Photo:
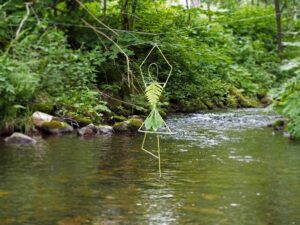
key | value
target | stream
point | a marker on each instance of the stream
(221, 167)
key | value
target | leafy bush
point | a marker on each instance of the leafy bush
(49, 66)
(288, 104)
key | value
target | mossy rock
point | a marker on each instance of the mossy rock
(83, 121)
(56, 127)
(131, 125)
(134, 124)
(54, 124)
(279, 124)
(118, 118)
(242, 100)
(121, 127)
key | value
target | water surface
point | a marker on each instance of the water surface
(220, 168)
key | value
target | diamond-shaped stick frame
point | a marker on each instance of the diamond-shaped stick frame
(155, 46)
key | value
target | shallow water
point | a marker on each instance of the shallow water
(220, 168)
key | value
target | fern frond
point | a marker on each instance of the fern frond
(153, 93)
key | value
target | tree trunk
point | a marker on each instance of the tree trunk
(54, 8)
(124, 14)
(104, 8)
(208, 10)
(133, 10)
(279, 28)
(294, 14)
(189, 14)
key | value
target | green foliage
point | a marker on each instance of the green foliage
(82, 103)
(257, 23)
(49, 66)
(153, 93)
(154, 121)
(288, 104)
(227, 61)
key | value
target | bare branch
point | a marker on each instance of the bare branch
(27, 4)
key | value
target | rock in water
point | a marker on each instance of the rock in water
(38, 118)
(86, 132)
(91, 130)
(56, 127)
(50, 124)
(104, 130)
(131, 125)
(20, 139)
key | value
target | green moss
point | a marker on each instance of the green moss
(43, 102)
(118, 118)
(242, 100)
(134, 124)
(279, 125)
(83, 121)
(45, 107)
(54, 124)
(231, 102)
(209, 104)
(192, 105)
(121, 126)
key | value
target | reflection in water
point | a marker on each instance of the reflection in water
(221, 168)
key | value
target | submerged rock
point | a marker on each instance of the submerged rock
(20, 139)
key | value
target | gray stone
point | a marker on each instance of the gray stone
(86, 132)
(38, 118)
(104, 129)
(20, 139)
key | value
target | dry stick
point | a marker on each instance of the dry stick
(129, 73)
(99, 21)
(27, 4)
(35, 14)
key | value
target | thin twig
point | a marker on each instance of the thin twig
(129, 72)
(99, 21)
(27, 4)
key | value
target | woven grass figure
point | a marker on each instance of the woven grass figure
(153, 92)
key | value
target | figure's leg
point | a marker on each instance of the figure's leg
(144, 140)
(158, 153)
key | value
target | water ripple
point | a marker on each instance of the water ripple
(211, 128)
